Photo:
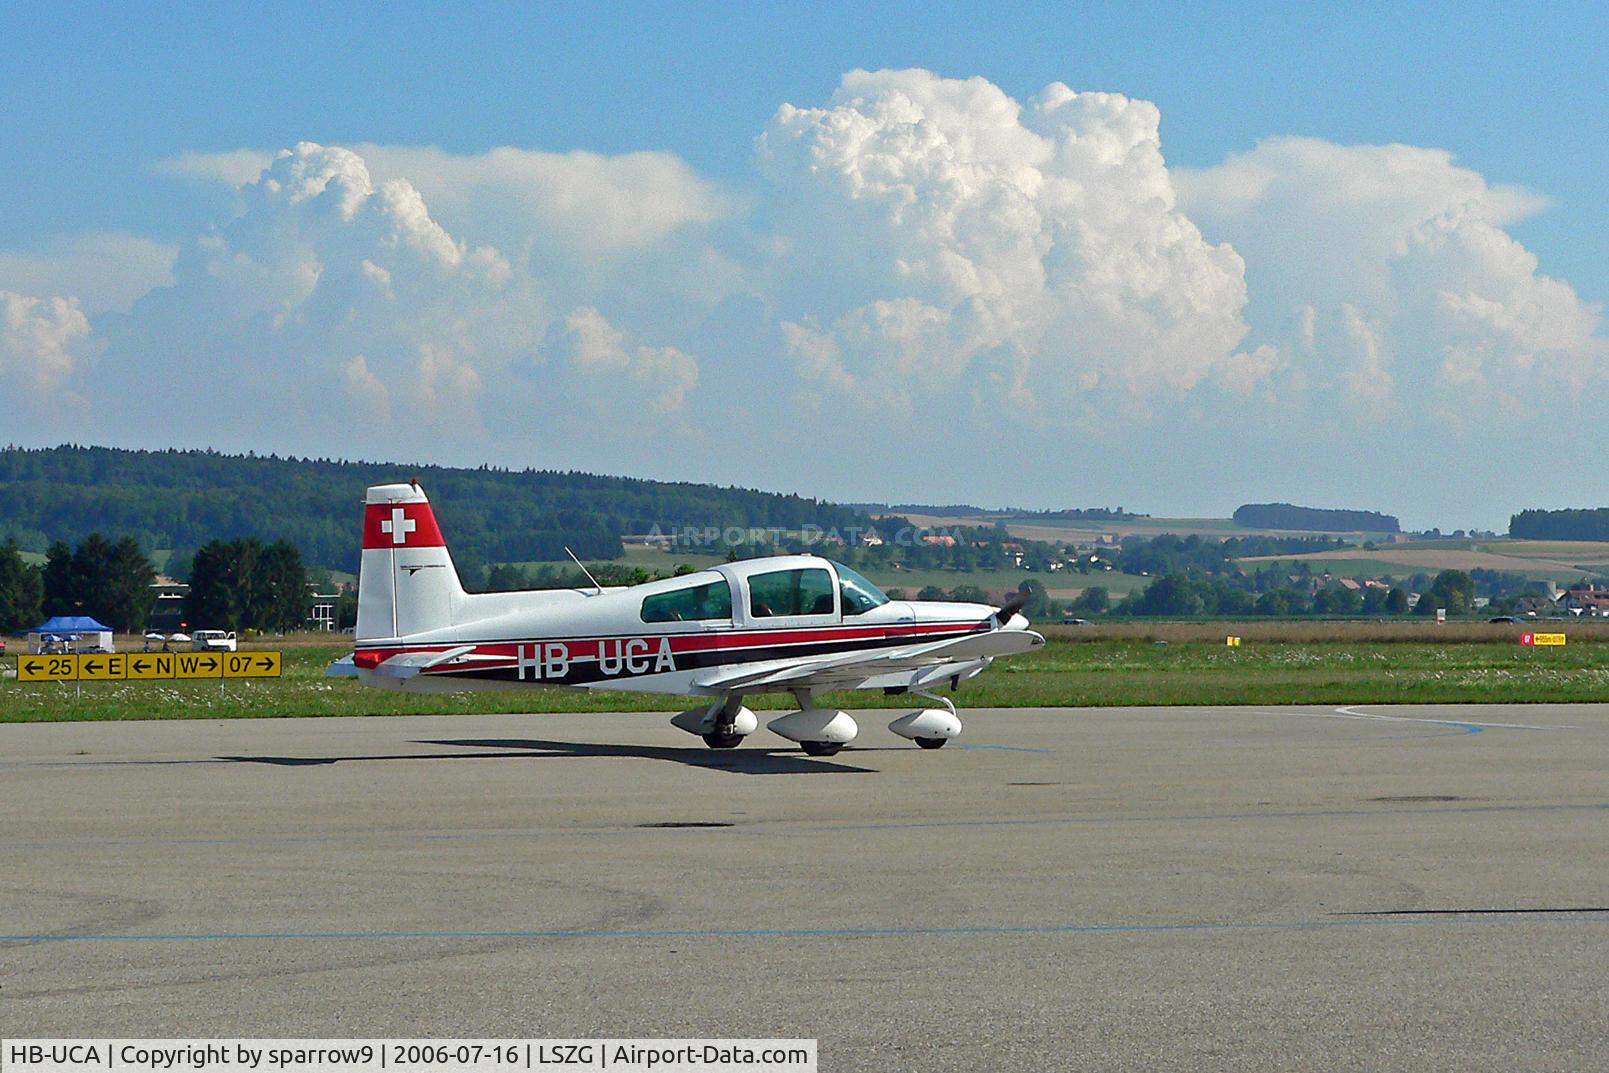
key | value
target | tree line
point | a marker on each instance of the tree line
(235, 584)
(1187, 596)
(1289, 516)
(1560, 524)
(182, 499)
(104, 579)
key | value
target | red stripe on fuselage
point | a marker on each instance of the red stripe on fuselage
(589, 647)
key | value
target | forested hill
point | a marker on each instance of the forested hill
(1313, 519)
(182, 499)
(1588, 524)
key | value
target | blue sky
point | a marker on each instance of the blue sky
(101, 103)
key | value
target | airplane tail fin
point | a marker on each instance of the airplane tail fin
(407, 583)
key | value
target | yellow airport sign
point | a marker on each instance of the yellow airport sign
(146, 665)
(102, 667)
(1548, 639)
(197, 665)
(251, 664)
(1232, 641)
(47, 668)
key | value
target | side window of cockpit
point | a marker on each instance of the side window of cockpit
(857, 594)
(791, 592)
(697, 603)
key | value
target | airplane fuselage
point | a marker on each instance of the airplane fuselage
(664, 657)
(799, 624)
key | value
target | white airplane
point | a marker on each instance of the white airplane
(798, 624)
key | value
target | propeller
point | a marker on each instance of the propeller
(1012, 606)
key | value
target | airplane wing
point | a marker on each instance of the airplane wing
(855, 668)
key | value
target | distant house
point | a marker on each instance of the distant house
(167, 614)
(1583, 599)
(1534, 605)
(321, 609)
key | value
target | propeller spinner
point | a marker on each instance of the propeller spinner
(1011, 607)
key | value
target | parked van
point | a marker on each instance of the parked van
(212, 641)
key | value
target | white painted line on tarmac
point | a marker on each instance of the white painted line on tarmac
(1351, 712)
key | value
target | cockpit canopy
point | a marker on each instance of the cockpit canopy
(859, 595)
(800, 586)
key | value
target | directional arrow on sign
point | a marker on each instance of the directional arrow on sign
(265, 663)
(92, 666)
(210, 663)
(139, 665)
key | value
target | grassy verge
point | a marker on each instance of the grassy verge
(1279, 663)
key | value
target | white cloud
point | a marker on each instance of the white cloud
(39, 339)
(106, 271)
(603, 203)
(322, 263)
(443, 382)
(930, 287)
(658, 378)
(1385, 270)
(236, 167)
(366, 390)
(949, 238)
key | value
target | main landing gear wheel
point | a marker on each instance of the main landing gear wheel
(820, 748)
(723, 741)
(931, 743)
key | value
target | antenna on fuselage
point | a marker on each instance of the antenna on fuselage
(584, 570)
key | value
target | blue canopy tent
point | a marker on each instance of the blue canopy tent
(78, 633)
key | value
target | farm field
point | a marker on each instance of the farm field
(1543, 560)
(1278, 663)
(1039, 528)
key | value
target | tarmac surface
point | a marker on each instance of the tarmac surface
(1193, 889)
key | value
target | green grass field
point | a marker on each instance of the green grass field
(1337, 663)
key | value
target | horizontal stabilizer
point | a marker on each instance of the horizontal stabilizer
(409, 664)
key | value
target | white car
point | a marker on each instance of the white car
(212, 641)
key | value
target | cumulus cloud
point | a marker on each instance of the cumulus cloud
(39, 338)
(366, 390)
(658, 377)
(1386, 272)
(106, 271)
(919, 262)
(328, 285)
(605, 203)
(1032, 253)
(236, 167)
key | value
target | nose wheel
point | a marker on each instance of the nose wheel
(931, 743)
(718, 740)
(820, 748)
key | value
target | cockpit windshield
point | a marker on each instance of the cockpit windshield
(858, 594)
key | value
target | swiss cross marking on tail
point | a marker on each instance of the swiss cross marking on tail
(396, 526)
(399, 525)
